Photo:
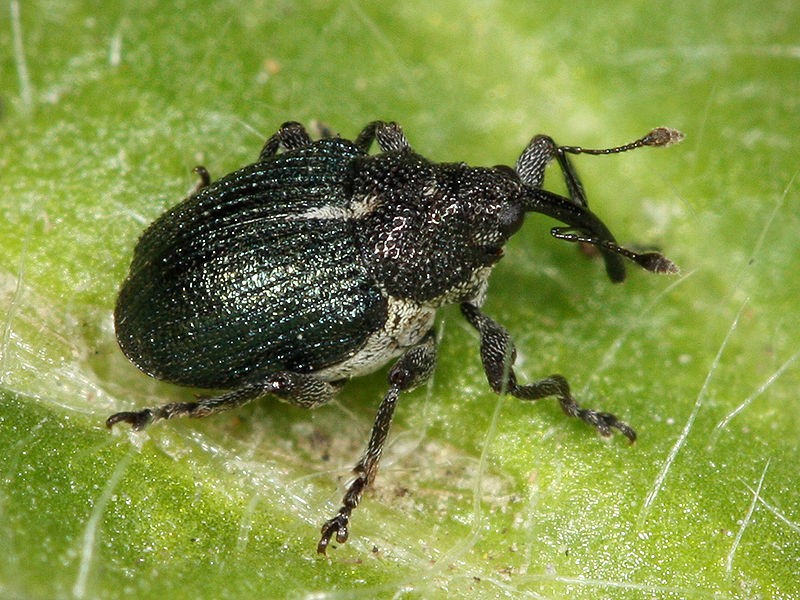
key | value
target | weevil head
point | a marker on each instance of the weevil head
(492, 202)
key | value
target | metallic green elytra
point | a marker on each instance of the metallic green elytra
(238, 282)
(321, 262)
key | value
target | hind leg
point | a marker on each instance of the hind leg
(306, 391)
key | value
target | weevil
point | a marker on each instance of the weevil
(321, 262)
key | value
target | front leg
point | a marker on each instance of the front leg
(498, 355)
(410, 370)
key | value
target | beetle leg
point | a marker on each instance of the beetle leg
(290, 136)
(301, 390)
(411, 369)
(534, 159)
(573, 209)
(205, 179)
(390, 137)
(498, 354)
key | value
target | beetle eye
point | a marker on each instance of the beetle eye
(510, 218)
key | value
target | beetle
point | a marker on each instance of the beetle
(321, 262)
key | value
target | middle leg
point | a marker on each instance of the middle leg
(411, 369)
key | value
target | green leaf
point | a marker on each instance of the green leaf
(105, 108)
